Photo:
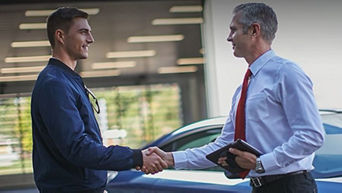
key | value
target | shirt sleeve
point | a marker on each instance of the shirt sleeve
(195, 158)
(64, 124)
(296, 96)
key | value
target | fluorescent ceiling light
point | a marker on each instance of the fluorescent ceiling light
(107, 65)
(177, 21)
(25, 26)
(187, 61)
(182, 9)
(21, 69)
(30, 44)
(177, 69)
(35, 13)
(91, 11)
(160, 38)
(100, 73)
(131, 54)
(30, 13)
(18, 78)
(27, 59)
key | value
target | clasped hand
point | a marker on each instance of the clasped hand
(244, 159)
(155, 160)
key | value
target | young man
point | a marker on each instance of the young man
(274, 110)
(68, 154)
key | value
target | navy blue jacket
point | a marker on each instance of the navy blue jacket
(68, 154)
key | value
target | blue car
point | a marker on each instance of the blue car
(327, 162)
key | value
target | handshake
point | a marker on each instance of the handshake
(155, 160)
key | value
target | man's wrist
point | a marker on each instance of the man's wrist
(169, 159)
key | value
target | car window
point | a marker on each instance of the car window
(328, 158)
(196, 139)
(197, 142)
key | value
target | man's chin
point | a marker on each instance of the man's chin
(237, 55)
(83, 57)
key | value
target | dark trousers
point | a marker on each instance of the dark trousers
(301, 183)
(65, 191)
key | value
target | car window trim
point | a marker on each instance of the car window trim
(193, 131)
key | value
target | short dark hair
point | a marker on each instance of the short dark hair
(258, 13)
(62, 19)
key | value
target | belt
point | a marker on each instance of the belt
(257, 182)
(84, 191)
(96, 191)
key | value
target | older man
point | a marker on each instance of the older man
(274, 110)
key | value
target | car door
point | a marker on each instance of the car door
(208, 180)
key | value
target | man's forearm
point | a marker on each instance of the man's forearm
(169, 159)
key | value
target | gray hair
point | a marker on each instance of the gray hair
(258, 13)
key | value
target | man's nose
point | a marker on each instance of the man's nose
(90, 38)
(229, 38)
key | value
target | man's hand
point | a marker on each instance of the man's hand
(243, 158)
(222, 161)
(152, 163)
(166, 156)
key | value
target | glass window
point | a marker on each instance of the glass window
(195, 140)
(15, 135)
(202, 140)
(136, 115)
(130, 116)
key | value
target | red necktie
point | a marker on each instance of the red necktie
(241, 115)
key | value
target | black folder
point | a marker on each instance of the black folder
(232, 167)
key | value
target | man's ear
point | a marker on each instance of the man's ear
(59, 35)
(254, 30)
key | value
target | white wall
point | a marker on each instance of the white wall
(309, 33)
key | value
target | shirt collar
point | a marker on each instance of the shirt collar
(56, 62)
(261, 61)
